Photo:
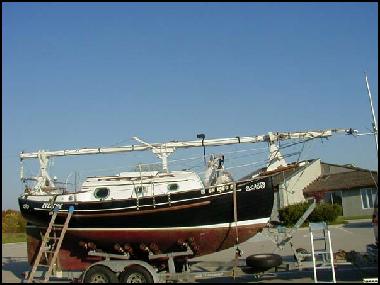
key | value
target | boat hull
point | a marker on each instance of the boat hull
(204, 219)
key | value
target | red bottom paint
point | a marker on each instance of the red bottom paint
(203, 241)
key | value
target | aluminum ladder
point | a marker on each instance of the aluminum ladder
(301, 220)
(283, 236)
(57, 242)
(320, 232)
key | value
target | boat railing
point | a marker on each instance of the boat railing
(153, 196)
(47, 190)
(151, 192)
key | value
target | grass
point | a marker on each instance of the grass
(358, 217)
(344, 220)
(340, 220)
(13, 237)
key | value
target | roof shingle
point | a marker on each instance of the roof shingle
(343, 181)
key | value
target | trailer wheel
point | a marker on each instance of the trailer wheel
(135, 274)
(100, 274)
(264, 261)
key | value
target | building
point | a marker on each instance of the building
(353, 188)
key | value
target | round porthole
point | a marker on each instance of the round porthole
(101, 193)
(173, 187)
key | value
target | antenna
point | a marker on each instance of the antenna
(203, 136)
(374, 124)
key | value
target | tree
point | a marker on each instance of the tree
(12, 221)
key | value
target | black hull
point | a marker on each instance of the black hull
(188, 209)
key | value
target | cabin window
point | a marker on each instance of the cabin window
(173, 187)
(140, 189)
(101, 193)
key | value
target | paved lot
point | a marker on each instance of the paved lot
(354, 236)
(14, 262)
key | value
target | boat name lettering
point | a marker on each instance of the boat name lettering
(256, 186)
(49, 206)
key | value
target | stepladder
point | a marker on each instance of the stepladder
(50, 245)
(321, 251)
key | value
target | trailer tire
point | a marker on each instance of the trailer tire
(135, 274)
(100, 274)
(264, 261)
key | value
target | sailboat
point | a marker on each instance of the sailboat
(139, 212)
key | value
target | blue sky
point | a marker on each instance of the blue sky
(89, 75)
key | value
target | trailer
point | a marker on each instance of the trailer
(120, 268)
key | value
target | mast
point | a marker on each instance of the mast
(374, 124)
(171, 146)
(163, 150)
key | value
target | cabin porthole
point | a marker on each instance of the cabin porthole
(101, 193)
(173, 187)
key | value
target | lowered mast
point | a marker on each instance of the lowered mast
(163, 150)
(270, 137)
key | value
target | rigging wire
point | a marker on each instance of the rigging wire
(119, 142)
(174, 161)
(299, 156)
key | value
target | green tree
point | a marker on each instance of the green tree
(322, 212)
(12, 222)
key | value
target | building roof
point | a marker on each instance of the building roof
(348, 167)
(333, 177)
(343, 181)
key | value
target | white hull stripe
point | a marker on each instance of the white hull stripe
(222, 225)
